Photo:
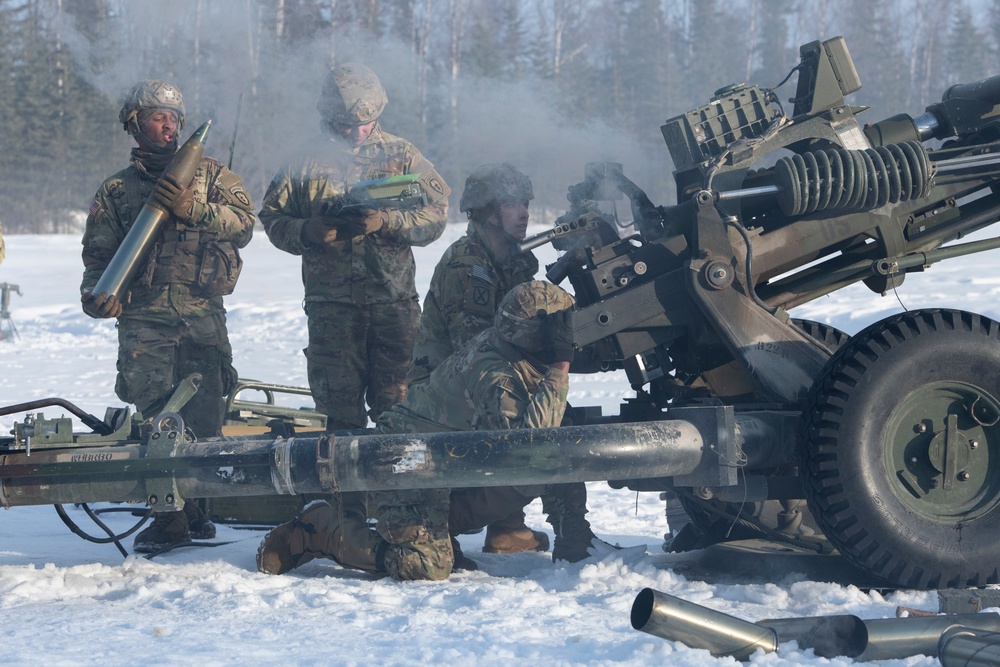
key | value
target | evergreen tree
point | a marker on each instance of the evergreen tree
(965, 48)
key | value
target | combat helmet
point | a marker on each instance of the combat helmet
(493, 184)
(352, 95)
(519, 317)
(146, 96)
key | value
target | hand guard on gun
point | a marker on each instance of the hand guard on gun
(557, 337)
(321, 230)
(362, 222)
(101, 306)
(177, 199)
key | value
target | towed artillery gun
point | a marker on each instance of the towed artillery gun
(892, 435)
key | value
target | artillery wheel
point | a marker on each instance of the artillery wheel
(901, 459)
(717, 521)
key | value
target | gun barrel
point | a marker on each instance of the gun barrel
(984, 90)
(241, 466)
(140, 237)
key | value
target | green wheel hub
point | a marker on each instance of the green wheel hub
(940, 451)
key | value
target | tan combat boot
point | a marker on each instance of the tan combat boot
(502, 538)
(337, 531)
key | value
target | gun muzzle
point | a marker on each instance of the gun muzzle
(134, 248)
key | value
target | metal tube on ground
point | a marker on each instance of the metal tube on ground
(965, 647)
(829, 636)
(893, 638)
(674, 619)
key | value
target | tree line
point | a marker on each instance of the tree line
(544, 84)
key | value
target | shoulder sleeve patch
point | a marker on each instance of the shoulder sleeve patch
(480, 296)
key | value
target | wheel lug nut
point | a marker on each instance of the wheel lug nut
(963, 476)
(973, 444)
(921, 428)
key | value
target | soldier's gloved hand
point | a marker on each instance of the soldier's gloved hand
(320, 230)
(557, 337)
(102, 306)
(362, 222)
(177, 199)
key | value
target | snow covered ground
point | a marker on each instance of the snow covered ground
(69, 602)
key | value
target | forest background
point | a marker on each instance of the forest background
(545, 84)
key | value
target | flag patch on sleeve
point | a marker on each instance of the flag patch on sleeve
(95, 206)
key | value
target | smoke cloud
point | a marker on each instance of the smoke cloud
(218, 51)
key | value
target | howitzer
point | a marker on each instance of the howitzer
(892, 436)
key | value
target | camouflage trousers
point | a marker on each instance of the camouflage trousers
(358, 354)
(154, 357)
(417, 525)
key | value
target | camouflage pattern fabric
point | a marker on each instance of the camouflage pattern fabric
(146, 96)
(153, 357)
(168, 328)
(487, 384)
(366, 271)
(468, 283)
(153, 295)
(359, 353)
(492, 184)
(352, 95)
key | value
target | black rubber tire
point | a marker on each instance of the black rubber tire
(832, 337)
(876, 450)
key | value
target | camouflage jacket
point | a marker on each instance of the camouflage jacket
(166, 287)
(486, 385)
(369, 269)
(467, 285)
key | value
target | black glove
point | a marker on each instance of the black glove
(102, 306)
(362, 221)
(557, 337)
(320, 230)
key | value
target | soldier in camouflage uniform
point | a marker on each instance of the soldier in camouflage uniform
(172, 321)
(469, 281)
(358, 268)
(514, 375)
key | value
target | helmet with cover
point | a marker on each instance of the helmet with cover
(519, 318)
(144, 98)
(352, 95)
(493, 184)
